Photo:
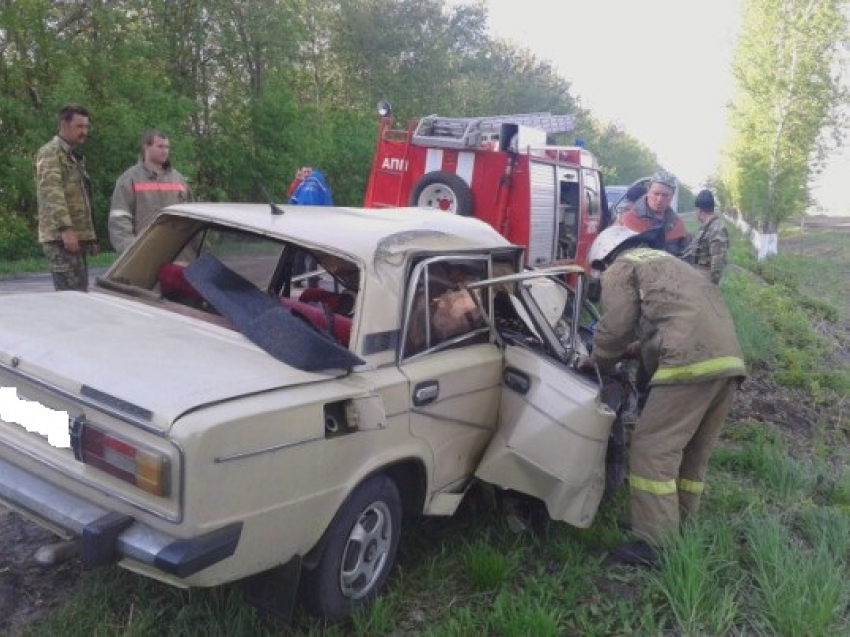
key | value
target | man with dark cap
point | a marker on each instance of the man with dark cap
(708, 249)
(649, 295)
(653, 211)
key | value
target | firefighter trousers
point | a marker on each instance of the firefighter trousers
(670, 447)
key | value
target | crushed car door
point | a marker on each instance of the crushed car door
(454, 371)
(552, 428)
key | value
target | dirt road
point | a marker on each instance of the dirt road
(41, 282)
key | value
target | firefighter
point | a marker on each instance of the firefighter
(143, 190)
(653, 211)
(709, 246)
(652, 297)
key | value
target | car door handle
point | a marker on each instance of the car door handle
(426, 392)
(517, 380)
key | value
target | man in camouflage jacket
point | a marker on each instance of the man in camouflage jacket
(708, 249)
(655, 298)
(63, 189)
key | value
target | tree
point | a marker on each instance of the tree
(248, 90)
(788, 99)
(624, 159)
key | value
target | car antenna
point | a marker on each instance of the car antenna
(276, 210)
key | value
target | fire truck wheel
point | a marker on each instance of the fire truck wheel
(443, 191)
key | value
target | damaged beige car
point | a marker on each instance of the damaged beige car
(230, 417)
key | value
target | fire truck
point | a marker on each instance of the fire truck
(499, 169)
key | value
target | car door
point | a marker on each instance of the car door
(553, 428)
(454, 372)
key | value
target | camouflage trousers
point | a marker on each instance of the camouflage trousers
(70, 271)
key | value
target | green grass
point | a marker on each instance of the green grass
(787, 310)
(701, 581)
(749, 566)
(801, 589)
(35, 265)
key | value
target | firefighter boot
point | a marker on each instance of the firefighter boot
(638, 553)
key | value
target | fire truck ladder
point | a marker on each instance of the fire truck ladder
(470, 132)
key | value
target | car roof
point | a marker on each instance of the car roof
(363, 233)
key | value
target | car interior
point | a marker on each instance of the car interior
(326, 303)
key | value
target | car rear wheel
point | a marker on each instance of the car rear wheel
(359, 550)
(443, 191)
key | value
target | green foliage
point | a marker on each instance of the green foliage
(245, 100)
(840, 492)
(701, 580)
(788, 100)
(720, 577)
(802, 588)
(828, 527)
(486, 567)
(757, 343)
(778, 305)
(18, 238)
(624, 159)
(378, 618)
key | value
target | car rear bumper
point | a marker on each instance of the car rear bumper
(106, 536)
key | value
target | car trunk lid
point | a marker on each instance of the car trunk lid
(145, 361)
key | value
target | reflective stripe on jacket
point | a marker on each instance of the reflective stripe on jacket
(139, 195)
(651, 296)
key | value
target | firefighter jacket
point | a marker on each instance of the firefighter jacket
(640, 219)
(708, 248)
(139, 195)
(63, 190)
(651, 296)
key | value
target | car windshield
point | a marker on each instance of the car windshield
(614, 194)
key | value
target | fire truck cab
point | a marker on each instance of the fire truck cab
(547, 198)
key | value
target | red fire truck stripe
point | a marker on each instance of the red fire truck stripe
(158, 186)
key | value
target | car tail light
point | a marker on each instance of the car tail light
(145, 469)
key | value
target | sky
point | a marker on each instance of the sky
(659, 68)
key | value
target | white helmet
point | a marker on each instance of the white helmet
(608, 241)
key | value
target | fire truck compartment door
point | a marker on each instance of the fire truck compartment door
(543, 208)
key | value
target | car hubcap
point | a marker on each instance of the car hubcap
(440, 197)
(366, 551)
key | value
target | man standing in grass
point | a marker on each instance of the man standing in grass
(708, 249)
(145, 189)
(63, 189)
(659, 300)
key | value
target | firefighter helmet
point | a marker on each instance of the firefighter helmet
(664, 177)
(607, 241)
